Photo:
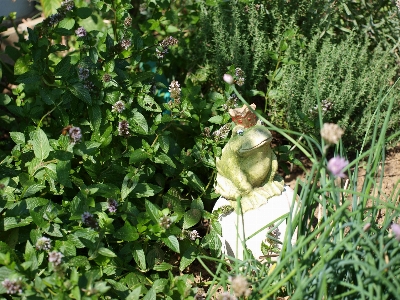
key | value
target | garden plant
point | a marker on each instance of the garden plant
(113, 113)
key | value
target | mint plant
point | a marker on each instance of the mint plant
(107, 180)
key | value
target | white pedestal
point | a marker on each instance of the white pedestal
(254, 220)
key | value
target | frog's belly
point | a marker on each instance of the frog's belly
(257, 167)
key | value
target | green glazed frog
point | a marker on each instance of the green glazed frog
(247, 168)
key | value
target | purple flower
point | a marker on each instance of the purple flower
(123, 128)
(89, 220)
(336, 166)
(83, 73)
(396, 230)
(81, 32)
(55, 257)
(125, 44)
(75, 134)
(12, 286)
(68, 5)
(112, 205)
(43, 243)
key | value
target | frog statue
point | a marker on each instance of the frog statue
(247, 169)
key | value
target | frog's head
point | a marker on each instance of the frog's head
(245, 140)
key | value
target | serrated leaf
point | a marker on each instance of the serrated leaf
(162, 267)
(160, 284)
(82, 93)
(193, 181)
(13, 222)
(139, 123)
(41, 145)
(106, 252)
(66, 23)
(187, 258)
(197, 203)
(153, 211)
(164, 159)
(32, 203)
(84, 12)
(140, 77)
(191, 218)
(146, 190)
(95, 117)
(22, 65)
(149, 104)
(30, 77)
(78, 261)
(4, 99)
(18, 138)
(128, 185)
(63, 67)
(32, 190)
(50, 6)
(172, 243)
(63, 167)
(139, 256)
(151, 295)
(88, 148)
(138, 155)
(127, 233)
(216, 119)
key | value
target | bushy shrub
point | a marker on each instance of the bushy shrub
(347, 78)
(107, 169)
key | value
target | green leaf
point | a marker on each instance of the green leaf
(79, 261)
(32, 190)
(32, 203)
(63, 68)
(193, 181)
(82, 93)
(151, 295)
(22, 65)
(18, 138)
(138, 155)
(139, 256)
(88, 148)
(128, 185)
(106, 252)
(66, 23)
(50, 6)
(13, 222)
(164, 159)
(139, 123)
(84, 12)
(41, 145)
(216, 119)
(188, 257)
(153, 211)
(63, 168)
(162, 267)
(191, 218)
(149, 104)
(160, 284)
(95, 117)
(4, 99)
(172, 243)
(127, 233)
(141, 77)
(146, 190)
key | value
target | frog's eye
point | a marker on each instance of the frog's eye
(240, 131)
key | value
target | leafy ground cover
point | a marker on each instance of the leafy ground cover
(114, 111)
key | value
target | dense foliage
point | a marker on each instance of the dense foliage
(114, 111)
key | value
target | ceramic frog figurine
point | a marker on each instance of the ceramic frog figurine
(247, 168)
